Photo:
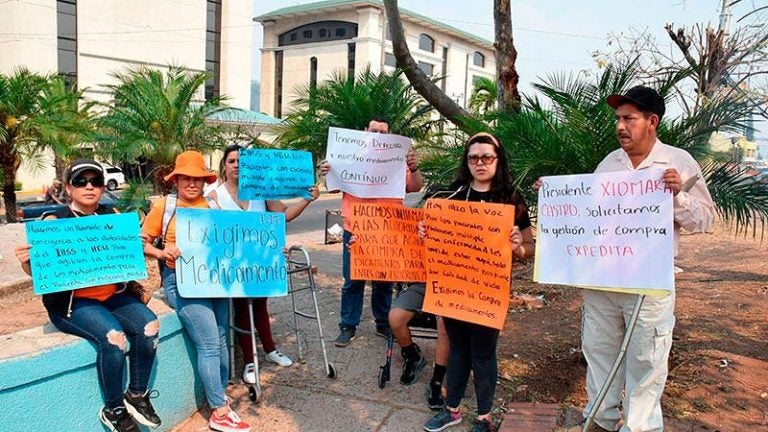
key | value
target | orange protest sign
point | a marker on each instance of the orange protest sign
(469, 260)
(388, 247)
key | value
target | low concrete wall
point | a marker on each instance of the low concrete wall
(48, 379)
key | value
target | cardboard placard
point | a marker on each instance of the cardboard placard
(388, 247)
(367, 164)
(230, 253)
(469, 260)
(83, 252)
(269, 174)
(610, 231)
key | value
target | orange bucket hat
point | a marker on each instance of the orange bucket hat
(191, 163)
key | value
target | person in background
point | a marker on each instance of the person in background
(106, 316)
(483, 176)
(206, 320)
(352, 292)
(226, 196)
(54, 193)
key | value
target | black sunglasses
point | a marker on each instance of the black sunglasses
(80, 182)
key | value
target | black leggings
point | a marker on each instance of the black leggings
(473, 347)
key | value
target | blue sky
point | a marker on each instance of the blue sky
(552, 35)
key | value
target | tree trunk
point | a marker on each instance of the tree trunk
(418, 79)
(506, 55)
(7, 159)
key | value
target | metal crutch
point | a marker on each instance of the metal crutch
(616, 364)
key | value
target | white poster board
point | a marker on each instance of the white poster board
(610, 231)
(366, 164)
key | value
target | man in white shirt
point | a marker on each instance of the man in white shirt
(644, 373)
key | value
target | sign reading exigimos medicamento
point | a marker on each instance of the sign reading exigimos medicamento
(83, 252)
(269, 174)
(367, 164)
(387, 245)
(230, 253)
(612, 231)
(469, 260)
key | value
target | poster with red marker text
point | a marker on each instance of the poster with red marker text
(611, 231)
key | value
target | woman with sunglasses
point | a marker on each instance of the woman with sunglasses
(483, 176)
(106, 316)
(206, 320)
(226, 196)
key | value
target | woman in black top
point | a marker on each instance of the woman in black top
(482, 176)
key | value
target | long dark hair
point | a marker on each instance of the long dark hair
(227, 150)
(502, 190)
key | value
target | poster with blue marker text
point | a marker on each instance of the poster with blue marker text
(270, 174)
(83, 252)
(230, 253)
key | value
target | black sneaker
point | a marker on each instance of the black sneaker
(383, 331)
(118, 420)
(481, 426)
(346, 336)
(141, 408)
(435, 399)
(412, 368)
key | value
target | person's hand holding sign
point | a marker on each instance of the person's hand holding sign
(672, 180)
(412, 160)
(170, 253)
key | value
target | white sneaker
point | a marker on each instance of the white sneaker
(249, 374)
(277, 357)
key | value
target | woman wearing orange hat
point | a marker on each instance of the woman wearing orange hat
(205, 319)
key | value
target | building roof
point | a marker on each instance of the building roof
(241, 116)
(313, 8)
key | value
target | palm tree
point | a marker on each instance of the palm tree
(350, 104)
(35, 112)
(484, 95)
(154, 116)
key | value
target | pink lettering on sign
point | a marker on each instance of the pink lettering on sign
(599, 250)
(640, 187)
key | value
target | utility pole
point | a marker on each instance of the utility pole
(725, 17)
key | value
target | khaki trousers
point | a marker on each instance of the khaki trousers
(644, 371)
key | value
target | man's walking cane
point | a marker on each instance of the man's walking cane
(616, 364)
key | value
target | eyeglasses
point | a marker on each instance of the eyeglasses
(81, 182)
(486, 158)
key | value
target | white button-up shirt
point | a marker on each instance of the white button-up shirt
(693, 209)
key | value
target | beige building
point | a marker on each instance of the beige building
(88, 40)
(307, 43)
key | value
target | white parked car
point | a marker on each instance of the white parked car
(113, 177)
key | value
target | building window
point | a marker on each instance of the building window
(427, 68)
(66, 23)
(426, 43)
(317, 32)
(278, 84)
(351, 61)
(479, 59)
(389, 60)
(313, 72)
(213, 49)
(444, 70)
(389, 32)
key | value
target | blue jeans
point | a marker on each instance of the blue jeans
(207, 323)
(101, 323)
(352, 295)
